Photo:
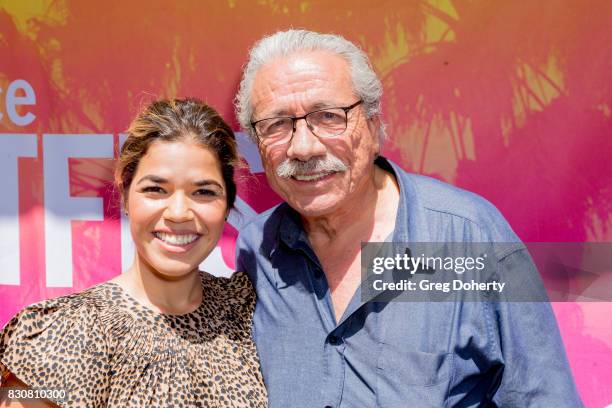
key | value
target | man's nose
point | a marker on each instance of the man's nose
(304, 144)
(178, 208)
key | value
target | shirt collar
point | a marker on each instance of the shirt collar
(401, 229)
(290, 233)
(290, 227)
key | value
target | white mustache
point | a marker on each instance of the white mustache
(327, 164)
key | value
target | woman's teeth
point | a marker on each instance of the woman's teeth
(173, 239)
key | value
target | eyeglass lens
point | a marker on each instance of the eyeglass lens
(323, 123)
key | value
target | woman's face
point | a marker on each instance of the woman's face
(176, 206)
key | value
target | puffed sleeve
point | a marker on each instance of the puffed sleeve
(236, 306)
(238, 297)
(59, 344)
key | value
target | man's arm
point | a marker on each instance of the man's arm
(245, 259)
(536, 371)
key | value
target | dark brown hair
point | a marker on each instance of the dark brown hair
(170, 120)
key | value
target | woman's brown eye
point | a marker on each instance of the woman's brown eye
(152, 189)
(207, 192)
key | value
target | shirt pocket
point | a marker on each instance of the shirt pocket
(412, 378)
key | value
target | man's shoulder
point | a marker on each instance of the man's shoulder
(257, 240)
(440, 199)
(439, 196)
(267, 221)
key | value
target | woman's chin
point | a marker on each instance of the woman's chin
(171, 269)
(171, 266)
(175, 274)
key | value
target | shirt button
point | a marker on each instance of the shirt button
(334, 340)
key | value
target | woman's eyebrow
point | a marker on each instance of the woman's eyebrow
(153, 178)
(207, 182)
(161, 180)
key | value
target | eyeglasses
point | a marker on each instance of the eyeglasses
(323, 123)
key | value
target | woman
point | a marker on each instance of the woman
(162, 333)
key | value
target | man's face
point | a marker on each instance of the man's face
(294, 86)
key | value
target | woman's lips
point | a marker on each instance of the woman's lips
(177, 243)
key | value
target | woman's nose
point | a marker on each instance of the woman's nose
(178, 208)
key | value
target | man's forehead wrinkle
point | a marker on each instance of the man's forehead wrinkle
(300, 82)
(286, 99)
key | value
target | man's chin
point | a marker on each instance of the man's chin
(316, 207)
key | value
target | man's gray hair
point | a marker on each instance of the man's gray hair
(366, 84)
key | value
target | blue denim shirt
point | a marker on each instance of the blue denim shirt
(399, 354)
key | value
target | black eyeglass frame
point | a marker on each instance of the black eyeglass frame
(294, 120)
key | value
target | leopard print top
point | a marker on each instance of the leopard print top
(106, 349)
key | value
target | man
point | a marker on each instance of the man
(312, 103)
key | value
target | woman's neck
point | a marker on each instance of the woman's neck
(159, 292)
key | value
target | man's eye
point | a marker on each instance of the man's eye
(278, 124)
(330, 116)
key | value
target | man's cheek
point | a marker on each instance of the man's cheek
(275, 182)
(341, 148)
(272, 156)
(268, 166)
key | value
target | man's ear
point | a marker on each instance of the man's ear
(374, 128)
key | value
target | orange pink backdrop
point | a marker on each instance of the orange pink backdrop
(509, 99)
